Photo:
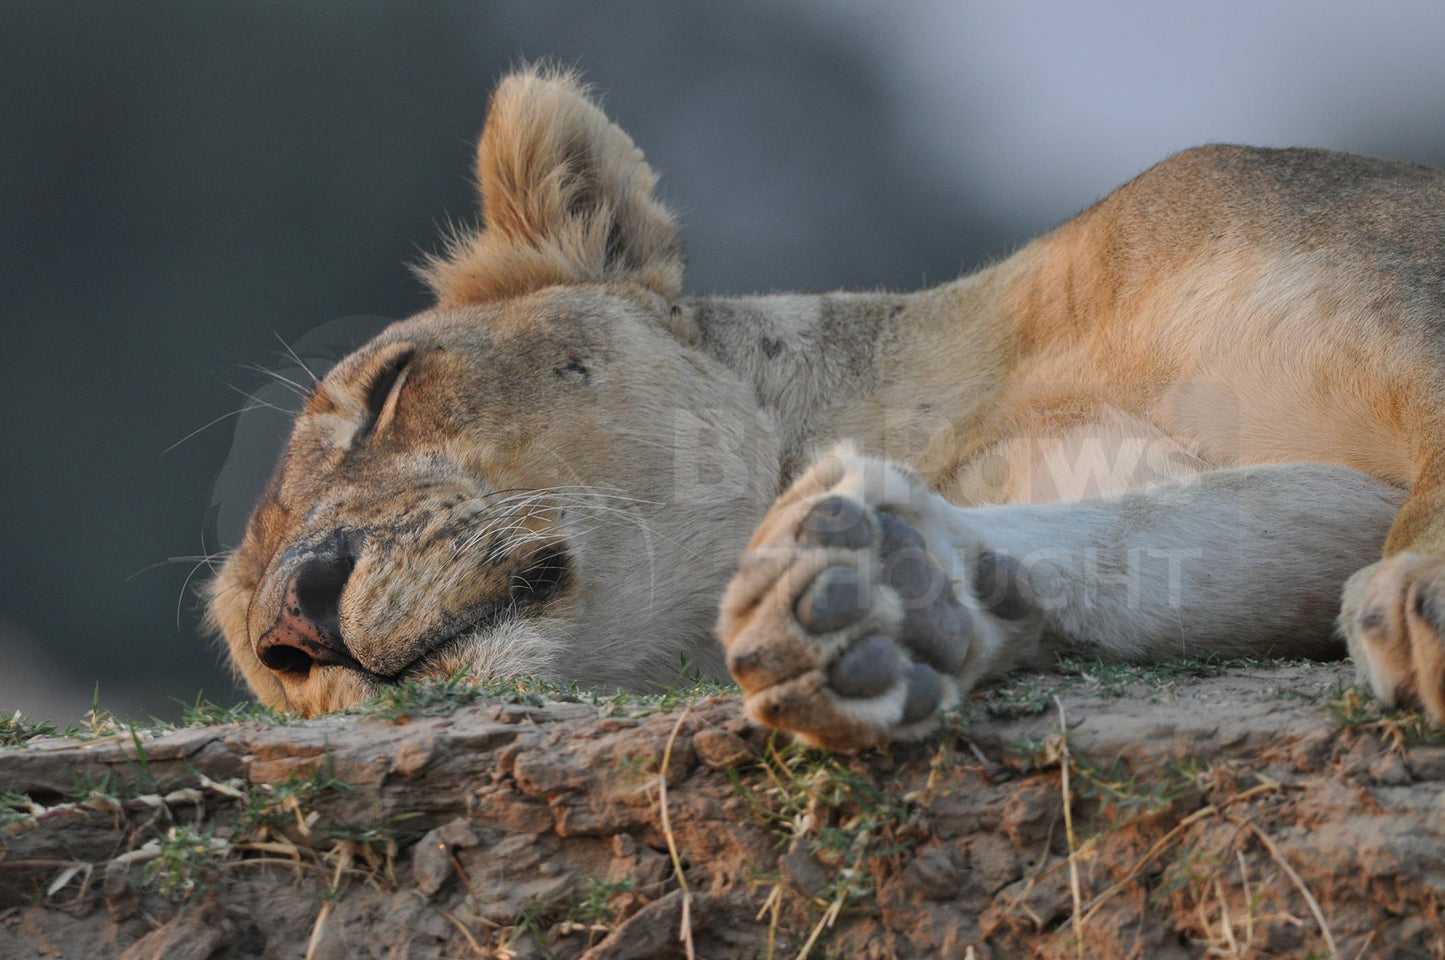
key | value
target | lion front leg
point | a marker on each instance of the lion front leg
(1393, 615)
(856, 613)
(865, 603)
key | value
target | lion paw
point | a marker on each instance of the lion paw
(1393, 617)
(848, 621)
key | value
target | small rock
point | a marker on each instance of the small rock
(1043, 899)
(1427, 763)
(1313, 751)
(1389, 769)
(720, 749)
(801, 869)
(994, 862)
(934, 874)
(651, 933)
(457, 832)
(119, 894)
(1359, 758)
(1030, 812)
(431, 865)
(431, 862)
(191, 935)
(649, 867)
(411, 756)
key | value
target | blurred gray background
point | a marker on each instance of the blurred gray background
(182, 183)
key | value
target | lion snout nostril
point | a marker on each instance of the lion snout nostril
(284, 657)
(307, 634)
(316, 591)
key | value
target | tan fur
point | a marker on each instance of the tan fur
(1230, 307)
(556, 178)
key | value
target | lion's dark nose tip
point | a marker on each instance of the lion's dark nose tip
(308, 632)
(316, 588)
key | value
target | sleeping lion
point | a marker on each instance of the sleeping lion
(1204, 417)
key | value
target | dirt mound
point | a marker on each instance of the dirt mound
(1196, 810)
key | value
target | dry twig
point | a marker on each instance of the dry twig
(1310, 900)
(343, 861)
(685, 934)
(1078, 919)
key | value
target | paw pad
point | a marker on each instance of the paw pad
(836, 522)
(837, 598)
(869, 668)
(925, 690)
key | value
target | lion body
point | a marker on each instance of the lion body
(1230, 309)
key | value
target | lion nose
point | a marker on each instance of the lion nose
(308, 632)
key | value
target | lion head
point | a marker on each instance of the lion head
(541, 475)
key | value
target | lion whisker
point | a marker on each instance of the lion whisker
(253, 403)
(286, 381)
(297, 357)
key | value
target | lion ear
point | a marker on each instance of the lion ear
(566, 198)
